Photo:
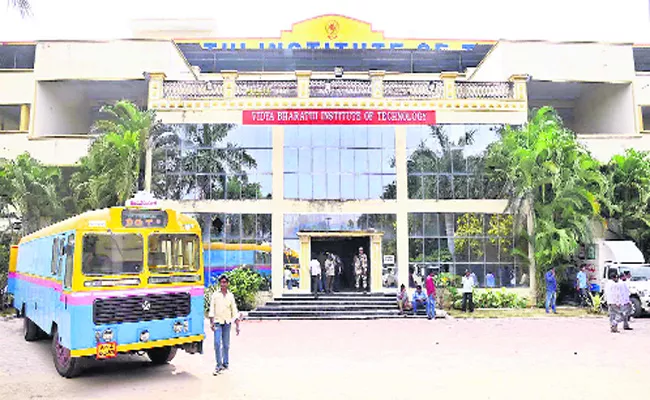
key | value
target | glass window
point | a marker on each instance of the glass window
(169, 253)
(112, 254)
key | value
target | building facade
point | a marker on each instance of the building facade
(330, 137)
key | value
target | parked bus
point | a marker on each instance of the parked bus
(118, 280)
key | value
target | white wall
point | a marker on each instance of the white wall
(54, 151)
(547, 61)
(603, 147)
(605, 108)
(58, 113)
(112, 60)
(16, 87)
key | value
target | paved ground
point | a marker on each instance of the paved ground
(554, 358)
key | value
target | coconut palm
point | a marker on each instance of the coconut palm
(545, 167)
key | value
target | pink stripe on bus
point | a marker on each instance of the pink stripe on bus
(56, 285)
(87, 298)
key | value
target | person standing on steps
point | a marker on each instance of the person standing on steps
(361, 269)
(468, 288)
(431, 296)
(338, 272)
(330, 272)
(551, 290)
(314, 267)
(223, 310)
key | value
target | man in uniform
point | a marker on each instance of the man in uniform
(361, 269)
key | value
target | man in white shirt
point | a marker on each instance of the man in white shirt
(223, 310)
(614, 297)
(626, 309)
(314, 266)
(468, 287)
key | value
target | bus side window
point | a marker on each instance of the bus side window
(54, 267)
(69, 262)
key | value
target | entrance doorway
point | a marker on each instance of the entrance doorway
(346, 248)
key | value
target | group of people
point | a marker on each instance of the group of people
(421, 300)
(617, 295)
(332, 269)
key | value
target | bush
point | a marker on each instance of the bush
(244, 285)
(447, 290)
(491, 298)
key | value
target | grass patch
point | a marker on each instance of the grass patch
(524, 313)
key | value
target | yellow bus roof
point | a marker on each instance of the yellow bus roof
(81, 221)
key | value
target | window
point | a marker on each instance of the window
(645, 118)
(481, 243)
(10, 117)
(112, 254)
(446, 162)
(339, 162)
(17, 56)
(173, 253)
(69, 262)
(213, 162)
(54, 269)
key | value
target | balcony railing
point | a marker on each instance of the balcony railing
(267, 89)
(303, 87)
(340, 88)
(484, 90)
(413, 89)
(192, 90)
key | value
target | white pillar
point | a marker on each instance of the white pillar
(277, 215)
(402, 233)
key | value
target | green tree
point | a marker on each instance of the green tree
(628, 197)
(544, 166)
(468, 226)
(124, 116)
(33, 190)
(107, 175)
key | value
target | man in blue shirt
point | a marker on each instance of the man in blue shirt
(551, 288)
(489, 280)
(419, 299)
(581, 279)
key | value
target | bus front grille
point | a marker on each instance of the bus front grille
(141, 308)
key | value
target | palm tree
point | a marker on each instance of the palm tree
(108, 174)
(33, 190)
(548, 172)
(124, 116)
(23, 6)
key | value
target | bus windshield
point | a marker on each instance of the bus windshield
(169, 253)
(112, 254)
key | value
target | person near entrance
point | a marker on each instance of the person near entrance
(419, 299)
(403, 299)
(329, 273)
(223, 310)
(361, 269)
(431, 296)
(314, 267)
(338, 271)
(468, 288)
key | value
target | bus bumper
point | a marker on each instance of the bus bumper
(191, 344)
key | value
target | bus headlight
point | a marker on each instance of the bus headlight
(186, 326)
(178, 327)
(107, 336)
(144, 336)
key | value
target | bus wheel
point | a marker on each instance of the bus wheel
(161, 355)
(30, 330)
(66, 365)
(637, 311)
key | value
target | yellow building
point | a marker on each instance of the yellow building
(331, 136)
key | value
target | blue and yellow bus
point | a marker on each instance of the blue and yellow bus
(118, 280)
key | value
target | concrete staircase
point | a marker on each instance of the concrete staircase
(344, 305)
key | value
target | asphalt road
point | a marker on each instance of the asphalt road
(547, 358)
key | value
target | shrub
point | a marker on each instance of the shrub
(498, 299)
(447, 289)
(596, 304)
(244, 285)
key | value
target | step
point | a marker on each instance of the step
(337, 307)
(318, 303)
(337, 298)
(339, 294)
(340, 316)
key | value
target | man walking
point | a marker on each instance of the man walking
(223, 310)
(468, 288)
(431, 296)
(613, 296)
(551, 289)
(361, 269)
(626, 307)
(581, 279)
(314, 267)
(329, 273)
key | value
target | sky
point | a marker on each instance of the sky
(597, 20)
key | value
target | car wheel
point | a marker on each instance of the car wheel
(637, 311)
(66, 365)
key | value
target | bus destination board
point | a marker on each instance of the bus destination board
(144, 219)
